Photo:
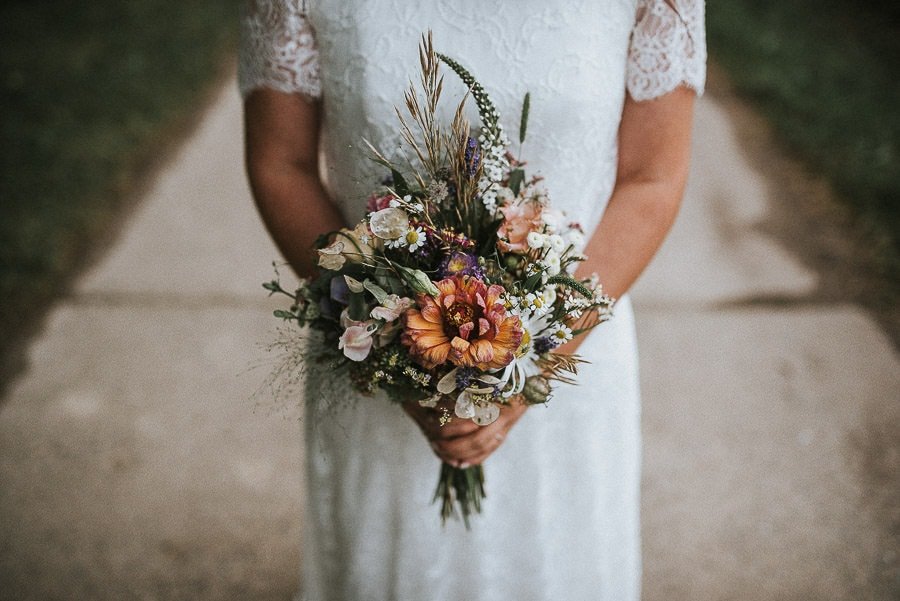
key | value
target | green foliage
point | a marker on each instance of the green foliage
(824, 72)
(523, 125)
(486, 110)
(572, 283)
(90, 91)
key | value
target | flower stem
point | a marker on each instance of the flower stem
(460, 492)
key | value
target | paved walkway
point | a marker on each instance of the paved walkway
(133, 465)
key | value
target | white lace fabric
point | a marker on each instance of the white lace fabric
(668, 48)
(278, 49)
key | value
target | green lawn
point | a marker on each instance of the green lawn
(825, 72)
(91, 92)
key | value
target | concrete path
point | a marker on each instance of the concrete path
(133, 465)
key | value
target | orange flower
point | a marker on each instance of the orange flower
(466, 324)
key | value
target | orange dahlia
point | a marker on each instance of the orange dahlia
(465, 324)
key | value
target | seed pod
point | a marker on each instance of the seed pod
(536, 390)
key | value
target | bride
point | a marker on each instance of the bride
(612, 84)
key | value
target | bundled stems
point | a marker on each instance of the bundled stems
(462, 487)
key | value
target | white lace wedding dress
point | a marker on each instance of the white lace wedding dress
(561, 519)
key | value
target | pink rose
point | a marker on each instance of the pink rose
(356, 341)
(519, 219)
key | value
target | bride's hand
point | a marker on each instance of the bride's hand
(462, 442)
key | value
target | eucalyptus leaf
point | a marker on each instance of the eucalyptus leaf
(353, 284)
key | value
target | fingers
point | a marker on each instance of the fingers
(429, 421)
(473, 448)
(462, 442)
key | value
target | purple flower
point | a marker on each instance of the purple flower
(464, 377)
(460, 263)
(340, 292)
(472, 156)
(544, 344)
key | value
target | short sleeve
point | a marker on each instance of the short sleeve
(668, 48)
(277, 49)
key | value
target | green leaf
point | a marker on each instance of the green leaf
(271, 286)
(357, 309)
(284, 314)
(516, 179)
(417, 280)
(523, 125)
(400, 185)
(532, 281)
(376, 290)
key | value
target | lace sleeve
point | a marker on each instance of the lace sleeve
(277, 49)
(668, 48)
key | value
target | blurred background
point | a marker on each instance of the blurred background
(133, 463)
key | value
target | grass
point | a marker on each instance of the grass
(91, 91)
(824, 72)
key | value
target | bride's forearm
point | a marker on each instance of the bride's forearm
(296, 210)
(654, 155)
(636, 220)
(282, 154)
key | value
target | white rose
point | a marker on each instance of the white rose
(390, 223)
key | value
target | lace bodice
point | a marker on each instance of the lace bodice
(667, 49)
(358, 56)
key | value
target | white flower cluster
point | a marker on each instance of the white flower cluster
(417, 376)
(495, 168)
(576, 304)
(532, 305)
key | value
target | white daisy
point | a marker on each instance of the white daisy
(415, 238)
(561, 334)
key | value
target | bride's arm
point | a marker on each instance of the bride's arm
(654, 151)
(654, 156)
(282, 142)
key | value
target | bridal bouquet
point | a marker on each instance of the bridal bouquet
(456, 288)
